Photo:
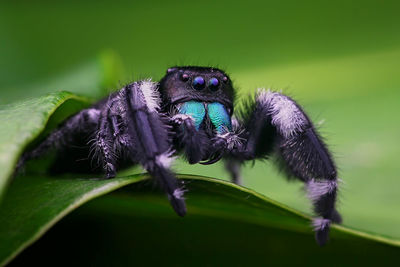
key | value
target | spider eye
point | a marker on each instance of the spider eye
(225, 79)
(184, 77)
(171, 70)
(198, 83)
(213, 84)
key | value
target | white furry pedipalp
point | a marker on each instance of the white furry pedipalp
(286, 116)
(232, 139)
(180, 118)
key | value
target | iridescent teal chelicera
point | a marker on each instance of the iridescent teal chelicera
(194, 109)
(216, 112)
(219, 117)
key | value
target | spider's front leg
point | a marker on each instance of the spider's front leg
(276, 123)
(148, 135)
(112, 139)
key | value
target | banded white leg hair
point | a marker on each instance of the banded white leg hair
(275, 124)
(306, 157)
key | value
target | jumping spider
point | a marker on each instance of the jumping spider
(191, 110)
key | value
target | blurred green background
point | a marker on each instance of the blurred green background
(339, 59)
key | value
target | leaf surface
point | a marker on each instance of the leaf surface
(43, 201)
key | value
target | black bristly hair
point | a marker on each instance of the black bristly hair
(144, 123)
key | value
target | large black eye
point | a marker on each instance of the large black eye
(198, 83)
(213, 84)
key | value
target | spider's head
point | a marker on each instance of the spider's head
(203, 84)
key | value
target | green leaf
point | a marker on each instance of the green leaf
(22, 122)
(34, 204)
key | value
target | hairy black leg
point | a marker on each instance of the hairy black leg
(233, 167)
(104, 144)
(81, 123)
(151, 143)
(275, 122)
(111, 138)
(193, 141)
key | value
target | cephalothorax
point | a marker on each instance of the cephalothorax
(191, 111)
